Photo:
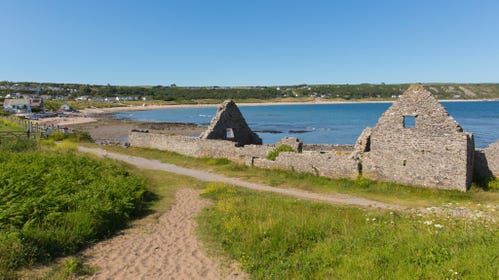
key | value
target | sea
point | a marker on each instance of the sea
(327, 123)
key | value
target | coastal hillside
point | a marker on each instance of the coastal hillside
(181, 94)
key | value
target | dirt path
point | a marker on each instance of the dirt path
(167, 249)
(211, 177)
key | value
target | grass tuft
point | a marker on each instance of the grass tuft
(282, 148)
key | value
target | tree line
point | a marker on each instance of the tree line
(331, 91)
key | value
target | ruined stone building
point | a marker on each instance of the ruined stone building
(229, 124)
(415, 142)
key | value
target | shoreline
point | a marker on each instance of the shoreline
(101, 111)
(92, 115)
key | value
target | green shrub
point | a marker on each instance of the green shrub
(80, 136)
(17, 144)
(53, 204)
(57, 135)
(493, 184)
(75, 136)
(74, 266)
(272, 155)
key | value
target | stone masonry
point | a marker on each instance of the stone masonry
(229, 124)
(415, 142)
(487, 161)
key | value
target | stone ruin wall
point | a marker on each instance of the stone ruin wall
(487, 161)
(333, 164)
(492, 157)
(327, 147)
(435, 153)
(200, 148)
(446, 162)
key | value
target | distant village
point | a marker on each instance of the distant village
(28, 101)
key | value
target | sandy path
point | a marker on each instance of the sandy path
(164, 250)
(211, 177)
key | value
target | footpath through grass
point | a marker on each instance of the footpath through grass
(391, 193)
(276, 237)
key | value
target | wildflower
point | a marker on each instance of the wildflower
(391, 213)
(439, 226)
(428, 223)
(373, 219)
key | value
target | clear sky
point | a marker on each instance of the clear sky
(249, 42)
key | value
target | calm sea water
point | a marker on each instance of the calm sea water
(328, 123)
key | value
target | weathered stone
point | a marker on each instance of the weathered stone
(486, 162)
(363, 144)
(229, 124)
(416, 142)
(431, 151)
(293, 142)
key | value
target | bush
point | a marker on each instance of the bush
(275, 153)
(57, 135)
(493, 184)
(17, 144)
(54, 204)
(75, 136)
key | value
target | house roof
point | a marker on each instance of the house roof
(11, 102)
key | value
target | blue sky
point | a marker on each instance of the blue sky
(243, 42)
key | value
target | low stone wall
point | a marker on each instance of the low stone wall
(326, 164)
(196, 147)
(333, 164)
(327, 147)
(330, 162)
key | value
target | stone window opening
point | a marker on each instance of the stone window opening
(229, 133)
(409, 121)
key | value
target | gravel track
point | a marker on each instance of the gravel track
(211, 177)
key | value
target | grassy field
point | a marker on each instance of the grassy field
(407, 196)
(276, 237)
(54, 203)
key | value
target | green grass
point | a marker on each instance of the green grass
(161, 187)
(55, 203)
(276, 237)
(282, 148)
(8, 126)
(381, 191)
